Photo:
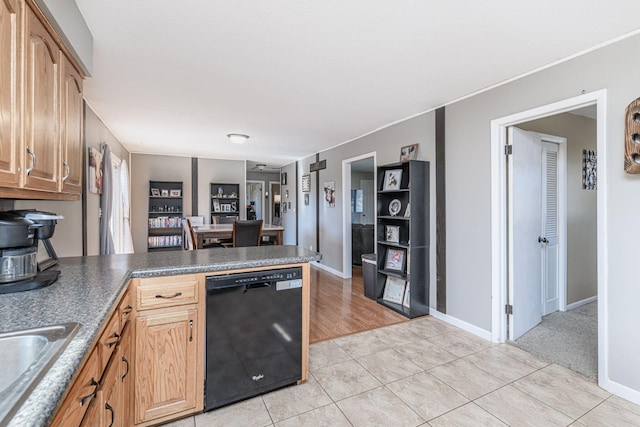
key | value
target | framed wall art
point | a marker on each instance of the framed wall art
(306, 183)
(409, 152)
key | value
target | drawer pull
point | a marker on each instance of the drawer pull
(190, 330)
(177, 294)
(127, 310)
(115, 341)
(110, 409)
(124, 359)
(67, 171)
(92, 395)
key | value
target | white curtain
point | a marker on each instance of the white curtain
(127, 239)
(106, 203)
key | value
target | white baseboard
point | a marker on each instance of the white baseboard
(461, 324)
(623, 391)
(329, 269)
(582, 302)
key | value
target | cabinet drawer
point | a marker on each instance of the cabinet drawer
(169, 291)
(75, 405)
(108, 340)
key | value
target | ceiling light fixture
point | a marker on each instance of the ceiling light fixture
(237, 138)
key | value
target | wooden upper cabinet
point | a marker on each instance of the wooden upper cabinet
(10, 81)
(71, 129)
(42, 77)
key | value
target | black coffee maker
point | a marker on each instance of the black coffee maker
(26, 254)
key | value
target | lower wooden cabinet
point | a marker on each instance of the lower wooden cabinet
(166, 364)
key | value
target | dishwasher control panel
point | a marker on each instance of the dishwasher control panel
(283, 278)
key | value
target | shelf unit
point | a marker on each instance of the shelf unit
(164, 232)
(225, 200)
(402, 241)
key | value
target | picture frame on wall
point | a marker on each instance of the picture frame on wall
(392, 233)
(306, 183)
(409, 152)
(393, 290)
(392, 179)
(395, 260)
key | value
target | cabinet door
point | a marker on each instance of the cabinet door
(41, 145)
(70, 129)
(165, 364)
(9, 84)
(111, 403)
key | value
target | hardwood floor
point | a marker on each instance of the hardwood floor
(339, 307)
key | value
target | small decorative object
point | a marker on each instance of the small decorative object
(176, 193)
(95, 171)
(165, 193)
(329, 194)
(216, 205)
(392, 179)
(234, 206)
(283, 178)
(394, 207)
(407, 212)
(589, 169)
(306, 199)
(233, 195)
(393, 290)
(632, 138)
(286, 194)
(392, 233)
(409, 152)
(407, 295)
(306, 183)
(395, 259)
(284, 207)
(155, 192)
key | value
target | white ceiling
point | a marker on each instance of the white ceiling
(300, 76)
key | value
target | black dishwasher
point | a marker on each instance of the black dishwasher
(254, 334)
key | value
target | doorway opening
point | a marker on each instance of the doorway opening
(358, 224)
(255, 199)
(501, 235)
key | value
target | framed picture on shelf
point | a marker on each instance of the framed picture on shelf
(393, 290)
(406, 301)
(395, 259)
(176, 193)
(409, 152)
(392, 233)
(155, 192)
(392, 179)
(165, 193)
(394, 207)
(216, 205)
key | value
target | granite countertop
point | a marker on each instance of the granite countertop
(88, 288)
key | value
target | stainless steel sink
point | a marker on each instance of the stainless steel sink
(25, 356)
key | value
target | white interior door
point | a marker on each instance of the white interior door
(368, 197)
(254, 197)
(525, 255)
(550, 228)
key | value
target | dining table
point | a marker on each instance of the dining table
(225, 231)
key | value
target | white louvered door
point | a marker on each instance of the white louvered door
(550, 225)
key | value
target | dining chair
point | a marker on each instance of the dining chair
(189, 235)
(224, 219)
(247, 233)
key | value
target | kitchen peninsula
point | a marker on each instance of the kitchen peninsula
(90, 290)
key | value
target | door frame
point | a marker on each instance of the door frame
(499, 246)
(262, 203)
(346, 209)
(562, 225)
(272, 200)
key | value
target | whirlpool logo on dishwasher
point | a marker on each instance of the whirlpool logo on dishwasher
(257, 377)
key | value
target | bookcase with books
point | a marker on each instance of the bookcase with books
(225, 201)
(403, 237)
(165, 216)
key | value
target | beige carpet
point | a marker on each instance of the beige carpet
(569, 339)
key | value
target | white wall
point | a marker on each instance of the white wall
(582, 217)
(468, 193)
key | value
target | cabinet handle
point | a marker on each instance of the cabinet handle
(110, 409)
(114, 342)
(177, 294)
(128, 309)
(190, 330)
(33, 160)
(67, 169)
(124, 359)
(92, 395)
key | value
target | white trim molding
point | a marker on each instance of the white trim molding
(581, 303)
(468, 327)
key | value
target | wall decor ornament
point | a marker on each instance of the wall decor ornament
(409, 152)
(95, 171)
(306, 183)
(589, 170)
(632, 138)
(330, 194)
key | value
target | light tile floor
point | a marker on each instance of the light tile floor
(427, 373)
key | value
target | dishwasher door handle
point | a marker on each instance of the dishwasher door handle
(256, 286)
